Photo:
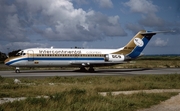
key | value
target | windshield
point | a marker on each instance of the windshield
(20, 53)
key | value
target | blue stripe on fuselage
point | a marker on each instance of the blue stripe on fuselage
(53, 59)
(137, 50)
(13, 61)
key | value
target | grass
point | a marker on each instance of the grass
(46, 86)
(80, 100)
(151, 64)
(81, 93)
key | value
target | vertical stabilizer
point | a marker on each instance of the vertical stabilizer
(136, 45)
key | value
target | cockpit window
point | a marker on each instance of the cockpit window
(20, 53)
(14, 53)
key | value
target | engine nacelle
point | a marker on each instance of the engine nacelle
(114, 58)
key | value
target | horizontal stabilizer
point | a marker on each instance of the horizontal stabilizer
(154, 32)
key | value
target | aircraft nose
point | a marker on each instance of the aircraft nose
(6, 61)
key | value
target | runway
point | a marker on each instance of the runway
(98, 72)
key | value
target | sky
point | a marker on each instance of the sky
(88, 24)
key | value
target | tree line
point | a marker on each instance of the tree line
(3, 56)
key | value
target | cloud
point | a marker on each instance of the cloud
(67, 23)
(10, 25)
(21, 45)
(25, 45)
(81, 2)
(141, 6)
(148, 11)
(56, 20)
(160, 42)
(105, 3)
(151, 20)
(13, 30)
(9, 8)
(84, 45)
(134, 27)
(178, 6)
(176, 30)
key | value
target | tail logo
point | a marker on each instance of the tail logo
(138, 42)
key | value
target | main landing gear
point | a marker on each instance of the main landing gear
(91, 69)
(83, 69)
(17, 70)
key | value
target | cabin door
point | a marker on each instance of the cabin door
(30, 55)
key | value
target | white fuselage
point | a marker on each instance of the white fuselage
(58, 57)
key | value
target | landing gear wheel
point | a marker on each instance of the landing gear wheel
(17, 70)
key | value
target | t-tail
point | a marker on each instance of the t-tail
(136, 45)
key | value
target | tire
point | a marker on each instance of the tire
(17, 71)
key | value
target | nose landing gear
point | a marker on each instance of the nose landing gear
(17, 70)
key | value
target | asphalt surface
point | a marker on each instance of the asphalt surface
(99, 72)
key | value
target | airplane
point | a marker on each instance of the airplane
(82, 58)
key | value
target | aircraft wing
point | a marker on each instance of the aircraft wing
(96, 64)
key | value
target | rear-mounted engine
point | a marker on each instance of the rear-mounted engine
(114, 58)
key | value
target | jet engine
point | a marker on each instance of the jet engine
(114, 58)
